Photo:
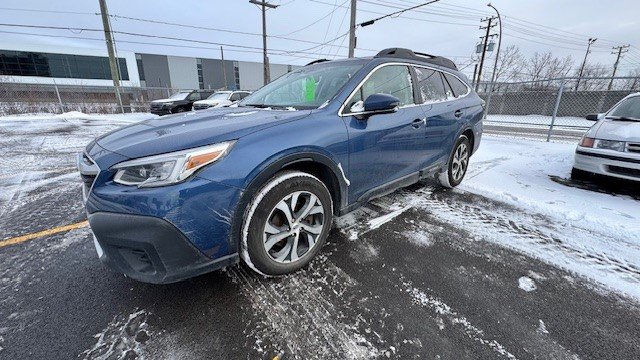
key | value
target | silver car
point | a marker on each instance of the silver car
(612, 146)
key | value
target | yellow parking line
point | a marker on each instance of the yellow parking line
(59, 229)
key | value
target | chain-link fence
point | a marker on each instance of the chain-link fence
(553, 108)
(17, 98)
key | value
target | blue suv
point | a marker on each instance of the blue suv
(175, 197)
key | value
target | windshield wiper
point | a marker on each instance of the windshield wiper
(622, 118)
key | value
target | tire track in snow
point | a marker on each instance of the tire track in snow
(538, 233)
(560, 244)
(302, 313)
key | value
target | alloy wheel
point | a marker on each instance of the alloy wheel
(293, 227)
(459, 162)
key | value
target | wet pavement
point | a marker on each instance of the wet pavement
(421, 273)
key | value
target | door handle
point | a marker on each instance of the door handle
(416, 123)
(458, 113)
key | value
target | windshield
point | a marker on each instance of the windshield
(219, 96)
(179, 96)
(629, 109)
(306, 88)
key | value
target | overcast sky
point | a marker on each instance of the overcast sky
(448, 28)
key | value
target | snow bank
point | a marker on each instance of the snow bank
(77, 115)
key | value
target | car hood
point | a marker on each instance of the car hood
(192, 129)
(211, 102)
(618, 130)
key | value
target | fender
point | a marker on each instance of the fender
(273, 165)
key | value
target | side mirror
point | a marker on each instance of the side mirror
(380, 104)
(592, 117)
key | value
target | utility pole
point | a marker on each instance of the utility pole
(110, 50)
(621, 50)
(265, 57)
(224, 69)
(352, 29)
(584, 62)
(485, 39)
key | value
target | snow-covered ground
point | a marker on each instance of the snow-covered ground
(39, 150)
(518, 172)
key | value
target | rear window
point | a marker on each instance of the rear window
(431, 85)
(457, 86)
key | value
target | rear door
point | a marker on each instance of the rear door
(442, 111)
(384, 147)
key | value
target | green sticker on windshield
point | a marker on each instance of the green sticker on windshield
(310, 89)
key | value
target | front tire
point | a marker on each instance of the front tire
(286, 223)
(458, 163)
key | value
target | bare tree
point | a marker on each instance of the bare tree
(587, 83)
(543, 66)
(633, 84)
(510, 64)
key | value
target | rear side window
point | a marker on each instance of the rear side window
(393, 80)
(458, 87)
(431, 85)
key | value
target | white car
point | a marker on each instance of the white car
(612, 146)
(220, 99)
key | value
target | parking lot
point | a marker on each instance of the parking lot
(421, 273)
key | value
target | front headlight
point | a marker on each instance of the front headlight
(167, 104)
(610, 145)
(167, 169)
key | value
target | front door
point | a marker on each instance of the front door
(385, 147)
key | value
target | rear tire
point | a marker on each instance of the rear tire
(457, 165)
(286, 223)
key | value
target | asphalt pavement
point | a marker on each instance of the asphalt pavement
(410, 287)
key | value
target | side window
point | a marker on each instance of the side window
(235, 97)
(431, 85)
(194, 96)
(458, 87)
(244, 95)
(393, 80)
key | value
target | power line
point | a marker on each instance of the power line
(152, 44)
(80, 30)
(316, 21)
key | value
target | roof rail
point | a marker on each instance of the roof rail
(317, 61)
(412, 55)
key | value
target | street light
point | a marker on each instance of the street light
(495, 64)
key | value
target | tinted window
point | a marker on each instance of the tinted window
(235, 97)
(22, 63)
(393, 80)
(431, 85)
(459, 88)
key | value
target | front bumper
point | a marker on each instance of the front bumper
(609, 163)
(160, 111)
(149, 249)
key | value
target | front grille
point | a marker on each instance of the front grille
(624, 171)
(633, 147)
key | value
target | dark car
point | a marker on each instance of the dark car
(260, 181)
(178, 102)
